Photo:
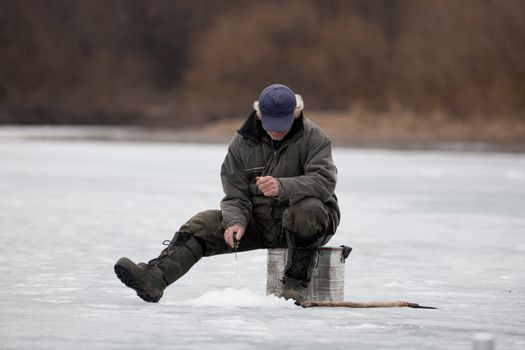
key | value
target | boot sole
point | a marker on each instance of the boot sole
(126, 277)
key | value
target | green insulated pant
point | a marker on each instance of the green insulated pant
(308, 219)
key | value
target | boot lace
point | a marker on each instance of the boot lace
(171, 244)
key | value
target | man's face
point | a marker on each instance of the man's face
(278, 135)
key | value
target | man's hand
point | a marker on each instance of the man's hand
(268, 185)
(228, 234)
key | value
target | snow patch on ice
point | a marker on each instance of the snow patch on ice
(370, 326)
(512, 174)
(56, 300)
(239, 298)
(433, 173)
(361, 326)
(392, 284)
(435, 282)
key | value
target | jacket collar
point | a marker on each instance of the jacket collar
(253, 130)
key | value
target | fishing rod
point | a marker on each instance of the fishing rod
(369, 304)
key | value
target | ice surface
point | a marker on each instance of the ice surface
(435, 228)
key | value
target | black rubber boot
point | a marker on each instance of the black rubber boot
(149, 280)
(299, 268)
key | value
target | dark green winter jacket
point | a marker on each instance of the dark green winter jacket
(302, 165)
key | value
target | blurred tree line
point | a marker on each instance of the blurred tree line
(173, 62)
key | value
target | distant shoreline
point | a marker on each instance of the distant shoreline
(221, 133)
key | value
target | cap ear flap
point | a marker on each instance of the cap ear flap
(256, 108)
(296, 113)
(299, 106)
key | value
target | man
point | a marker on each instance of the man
(279, 179)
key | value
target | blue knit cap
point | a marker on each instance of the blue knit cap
(276, 104)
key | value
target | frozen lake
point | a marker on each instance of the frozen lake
(435, 228)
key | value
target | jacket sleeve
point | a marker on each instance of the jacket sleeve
(236, 206)
(320, 172)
